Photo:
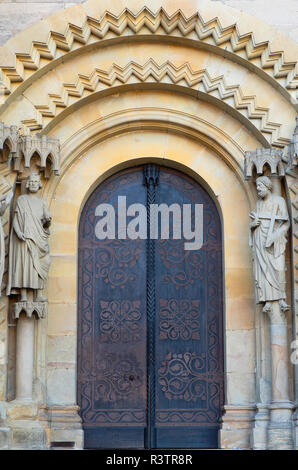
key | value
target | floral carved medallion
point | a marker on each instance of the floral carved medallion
(120, 321)
(118, 376)
(179, 319)
(181, 376)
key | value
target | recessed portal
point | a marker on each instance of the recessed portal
(150, 319)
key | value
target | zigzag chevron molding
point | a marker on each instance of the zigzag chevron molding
(152, 72)
(147, 23)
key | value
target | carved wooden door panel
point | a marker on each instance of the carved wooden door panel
(150, 353)
(112, 367)
(188, 326)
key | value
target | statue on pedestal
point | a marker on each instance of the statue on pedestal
(29, 254)
(268, 230)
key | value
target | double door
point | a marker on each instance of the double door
(150, 352)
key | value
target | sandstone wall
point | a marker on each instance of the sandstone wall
(17, 15)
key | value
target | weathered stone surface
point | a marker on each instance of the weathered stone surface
(295, 419)
(284, 20)
(75, 436)
(62, 319)
(20, 410)
(61, 347)
(5, 435)
(259, 439)
(236, 427)
(61, 383)
(62, 424)
(240, 353)
(17, 17)
(240, 388)
(28, 435)
(280, 436)
(235, 439)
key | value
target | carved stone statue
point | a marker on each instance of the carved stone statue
(29, 257)
(5, 199)
(2, 243)
(268, 231)
(4, 202)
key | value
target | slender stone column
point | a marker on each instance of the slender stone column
(280, 435)
(24, 313)
(25, 358)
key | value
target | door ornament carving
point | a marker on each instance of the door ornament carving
(179, 319)
(119, 321)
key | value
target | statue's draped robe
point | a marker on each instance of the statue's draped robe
(29, 260)
(269, 262)
(2, 247)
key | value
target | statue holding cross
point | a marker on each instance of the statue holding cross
(268, 230)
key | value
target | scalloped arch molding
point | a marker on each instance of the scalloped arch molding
(133, 20)
(29, 58)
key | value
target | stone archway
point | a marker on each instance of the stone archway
(195, 88)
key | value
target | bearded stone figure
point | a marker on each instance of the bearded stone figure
(268, 231)
(29, 257)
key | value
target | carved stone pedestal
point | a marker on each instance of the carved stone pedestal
(260, 426)
(26, 431)
(27, 435)
(63, 426)
(29, 308)
(236, 427)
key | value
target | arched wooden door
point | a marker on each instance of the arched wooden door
(150, 323)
